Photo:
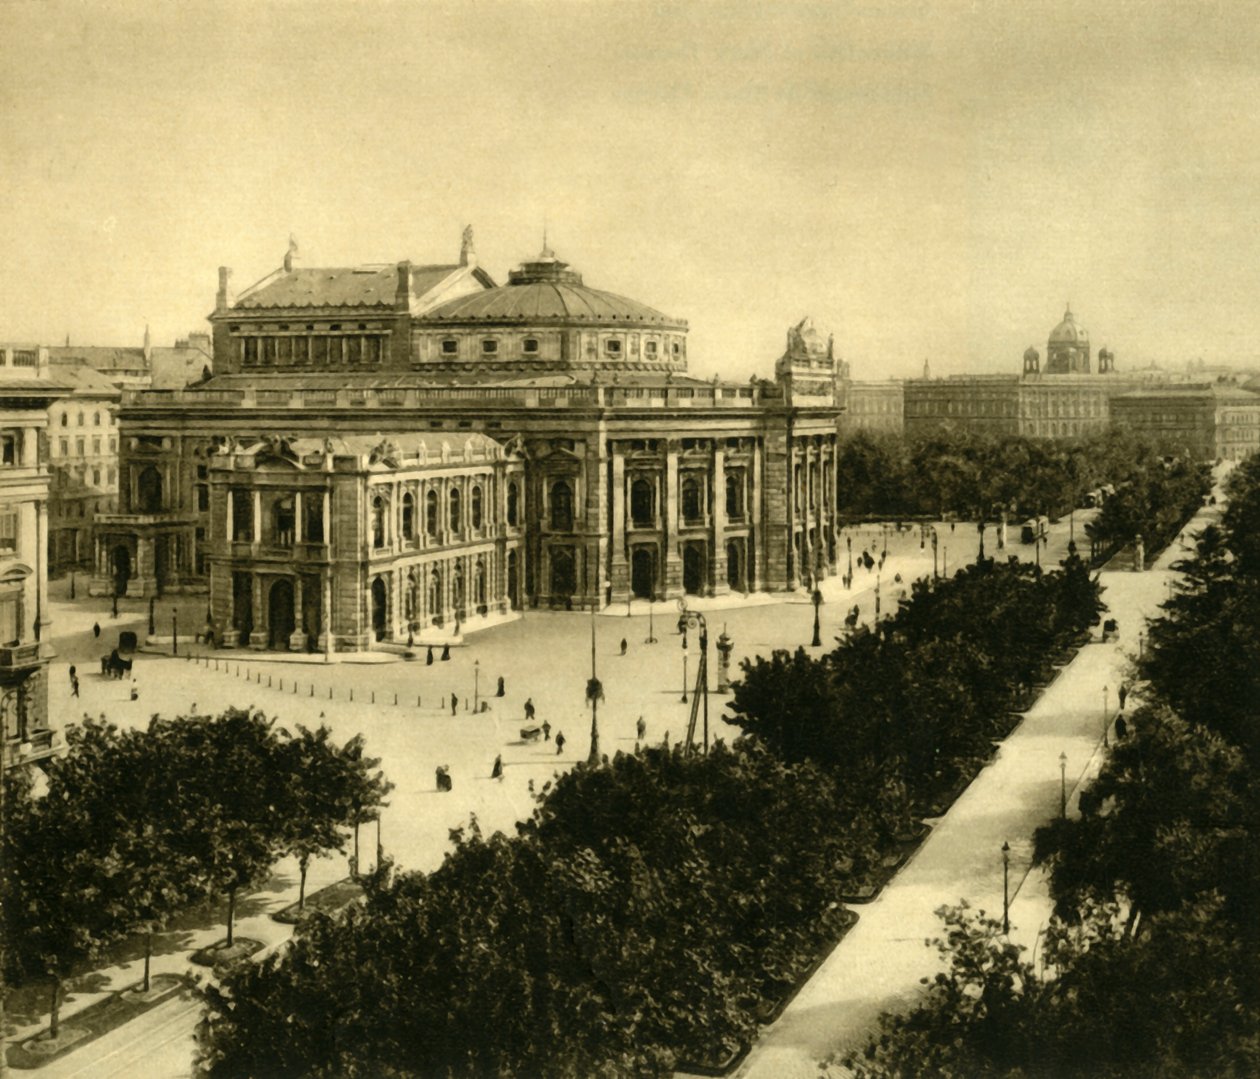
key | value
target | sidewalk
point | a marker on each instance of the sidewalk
(879, 965)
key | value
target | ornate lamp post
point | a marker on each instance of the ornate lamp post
(817, 599)
(682, 628)
(152, 623)
(1006, 887)
(1062, 785)
(877, 589)
(1106, 690)
(72, 584)
(980, 526)
(1141, 643)
(594, 694)
(935, 541)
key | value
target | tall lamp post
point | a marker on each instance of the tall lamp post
(935, 540)
(682, 629)
(1062, 785)
(594, 694)
(1141, 643)
(476, 685)
(877, 590)
(1106, 691)
(174, 631)
(694, 619)
(152, 622)
(817, 599)
(980, 527)
(651, 637)
(1006, 887)
(72, 584)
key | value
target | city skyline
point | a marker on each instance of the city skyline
(924, 186)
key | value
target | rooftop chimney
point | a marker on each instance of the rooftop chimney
(224, 299)
(148, 349)
(402, 293)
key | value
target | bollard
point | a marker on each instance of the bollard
(373, 696)
(330, 693)
(281, 684)
(268, 681)
(395, 699)
(352, 692)
(417, 700)
(312, 689)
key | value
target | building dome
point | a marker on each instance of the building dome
(546, 290)
(1068, 332)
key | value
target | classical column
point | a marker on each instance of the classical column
(297, 639)
(755, 558)
(228, 515)
(298, 530)
(326, 630)
(258, 535)
(258, 638)
(717, 562)
(328, 519)
(673, 556)
(619, 575)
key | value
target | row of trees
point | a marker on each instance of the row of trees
(915, 703)
(1154, 502)
(638, 918)
(138, 825)
(652, 908)
(1152, 963)
(972, 475)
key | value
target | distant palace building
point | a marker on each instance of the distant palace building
(1204, 421)
(385, 448)
(1065, 400)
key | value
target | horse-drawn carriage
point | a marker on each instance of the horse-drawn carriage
(531, 734)
(117, 664)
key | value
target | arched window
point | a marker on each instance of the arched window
(734, 496)
(456, 523)
(642, 503)
(457, 590)
(479, 584)
(475, 508)
(431, 513)
(409, 516)
(513, 505)
(283, 519)
(435, 595)
(378, 522)
(148, 489)
(411, 597)
(691, 509)
(561, 506)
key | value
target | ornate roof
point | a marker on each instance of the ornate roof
(547, 290)
(374, 285)
(1068, 332)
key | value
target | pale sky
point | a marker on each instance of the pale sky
(925, 180)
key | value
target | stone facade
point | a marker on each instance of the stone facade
(875, 406)
(1206, 421)
(26, 393)
(634, 478)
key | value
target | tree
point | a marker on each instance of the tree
(363, 790)
(317, 790)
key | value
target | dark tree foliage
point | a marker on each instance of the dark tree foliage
(1154, 502)
(919, 699)
(979, 476)
(639, 915)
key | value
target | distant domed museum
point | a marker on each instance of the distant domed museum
(390, 448)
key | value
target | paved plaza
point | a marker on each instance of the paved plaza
(546, 657)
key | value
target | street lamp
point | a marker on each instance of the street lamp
(651, 637)
(476, 685)
(1062, 785)
(688, 618)
(174, 631)
(152, 623)
(594, 694)
(72, 584)
(877, 585)
(1006, 887)
(935, 540)
(1106, 690)
(980, 526)
(817, 600)
(1141, 643)
(849, 541)
(683, 631)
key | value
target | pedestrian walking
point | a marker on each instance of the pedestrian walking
(529, 708)
(1124, 692)
(546, 731)
(74, 687)
(640, 729)
(446, 652)
(559, 742)
(429, 658)
(497, 771)
(96, 629)
(72, 672)
(135, 692)
(1122, 728)
(499, 692)
(113, 611)
(442, 776)
(454, 703)
(623, 646)
(411, 638)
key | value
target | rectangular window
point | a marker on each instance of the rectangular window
(203, 498)
(10, 618)
(80, 447)
(96, 477)
(96, 446)
(8, 448)
(113, 445)
(64, 446)
(8, 530)
(450, 346)
(113, 476)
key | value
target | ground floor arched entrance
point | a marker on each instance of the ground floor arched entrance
(121, 564)
(643, 572)
(693, 569)
(735, 566)
(379, 608)
(513, 581)
(563, 574)
(280, 621)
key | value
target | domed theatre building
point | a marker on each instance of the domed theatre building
(388, 448)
